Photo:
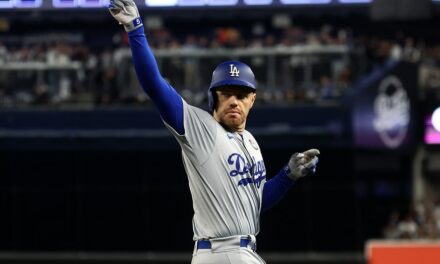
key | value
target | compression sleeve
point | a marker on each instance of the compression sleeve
(165, 97)
(275, 189)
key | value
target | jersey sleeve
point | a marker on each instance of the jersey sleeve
(275, 189)
(165, 97)
(200, 135)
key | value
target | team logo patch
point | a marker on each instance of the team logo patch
(234, 71)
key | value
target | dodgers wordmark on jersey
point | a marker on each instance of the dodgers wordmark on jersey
(226, 176)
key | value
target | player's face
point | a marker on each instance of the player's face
(233, 105)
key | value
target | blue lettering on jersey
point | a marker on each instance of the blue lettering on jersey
(257, 170)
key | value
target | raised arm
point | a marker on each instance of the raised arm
(164, 96)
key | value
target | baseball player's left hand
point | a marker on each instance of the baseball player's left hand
(126, 13)
(301, 164)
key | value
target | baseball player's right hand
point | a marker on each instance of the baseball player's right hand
(126, 13)
(302, 164)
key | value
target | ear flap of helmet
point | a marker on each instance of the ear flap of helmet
(212, 100)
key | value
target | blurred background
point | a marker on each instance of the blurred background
(89, 174)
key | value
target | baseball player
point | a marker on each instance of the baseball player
(223, 162)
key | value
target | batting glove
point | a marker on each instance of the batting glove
(302, 164)
(126, 13)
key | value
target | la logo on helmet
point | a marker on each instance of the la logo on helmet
(234, 71)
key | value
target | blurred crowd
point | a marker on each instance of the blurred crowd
(422, 221)
(259, 36)
(76, 74)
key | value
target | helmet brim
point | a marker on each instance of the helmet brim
(240, 83)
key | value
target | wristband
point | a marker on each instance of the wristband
(134, 24)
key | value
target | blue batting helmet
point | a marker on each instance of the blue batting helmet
(230, 73)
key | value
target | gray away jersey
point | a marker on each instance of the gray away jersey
(226, 175)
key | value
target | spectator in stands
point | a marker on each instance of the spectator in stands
(327, 90)
(408, 228)
(106, 90)
(391, 231)
(410, 51)
(59, 54)
(343, 82)
(3, 53)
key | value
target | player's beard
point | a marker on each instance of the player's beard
(233, 123)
